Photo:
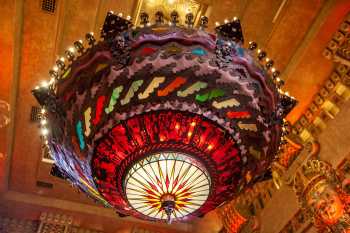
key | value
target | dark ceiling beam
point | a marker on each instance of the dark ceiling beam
(61, 11)
(98, 13)
(309, 36)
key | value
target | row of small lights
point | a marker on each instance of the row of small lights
(268, 65)
(60, 67)
(129, 18)
(55, 73)
(261, 54)
(226, 21)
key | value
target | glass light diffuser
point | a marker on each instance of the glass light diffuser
(165, 174)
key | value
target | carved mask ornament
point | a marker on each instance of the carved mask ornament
(319, 189)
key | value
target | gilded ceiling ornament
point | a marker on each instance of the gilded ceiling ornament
(319, 190)
(342, 55)
(168, 7)
(338, 48)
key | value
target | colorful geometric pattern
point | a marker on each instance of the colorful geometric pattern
(167, 173)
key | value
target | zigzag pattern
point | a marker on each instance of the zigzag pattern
(210, 95)
(99, 109)
(250, 127)
(226, 104)
(233, 115)
(87, 115)
(192, 89)
(79, 131)
(179, 81)
(131, 92)
(114, 97)
(176, 83)
(151, 87)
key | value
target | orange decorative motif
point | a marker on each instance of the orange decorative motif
(233, 220)
(179, 81)
(289, 152)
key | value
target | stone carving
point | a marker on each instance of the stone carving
(342, 55)
(120, 47)
(338, 48)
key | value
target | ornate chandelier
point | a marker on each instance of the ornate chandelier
(163, 121)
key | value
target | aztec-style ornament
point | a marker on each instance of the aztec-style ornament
(319, 189)
(163, 121)
(237, 218)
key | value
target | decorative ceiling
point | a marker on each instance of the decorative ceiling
(33, 39)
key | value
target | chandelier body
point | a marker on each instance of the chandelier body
(163, 121)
